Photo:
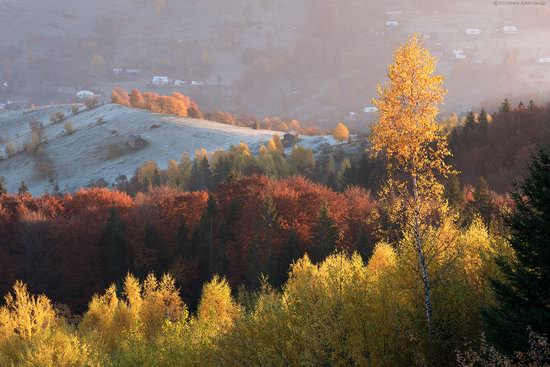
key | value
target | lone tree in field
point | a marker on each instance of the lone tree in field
(341, 132)
(415, 148)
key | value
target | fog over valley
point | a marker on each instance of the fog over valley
(318, 61)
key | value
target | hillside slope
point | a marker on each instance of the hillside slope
(102, 150)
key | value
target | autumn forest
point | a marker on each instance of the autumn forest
(427, 244)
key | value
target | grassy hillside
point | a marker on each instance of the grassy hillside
(103, 144)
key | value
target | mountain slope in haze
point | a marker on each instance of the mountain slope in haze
(104, 149)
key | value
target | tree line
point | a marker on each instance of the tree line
(181, 105)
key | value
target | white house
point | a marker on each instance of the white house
(472, 31)
(392, 23)
(160, 80)
(83, 94)
(510, 29)
(180, 83)
(370, 109)
(117, 71)
(196, 83)
(133, 71)
(544, 60)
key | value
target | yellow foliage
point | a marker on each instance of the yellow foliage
(278, 143)
(32, 335)
(341, 132)
(302, 158)
(407, 131)
(201, 154)
(271, 147)
(383, 258)
(172, 172)
(216, 307)
(60, 347)
(327, 303)
(147, 171)
(143, 311)
(25, 315)
(160, 301)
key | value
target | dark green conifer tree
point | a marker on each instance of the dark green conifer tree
(153, 245)
(325, 235)
(204, 240)
(483, 203)
(453, 192)
(222, 170)
(200, 174)
(145, 185)
(23, 188)
(505, 106)
(483, 121)
(116, 249)
(261, 253)
(523, 295)
(156, 180)
(470, 123)
(290, 252)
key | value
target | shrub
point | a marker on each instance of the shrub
(75, 109)
(10, 149)
(69, 128)
(56, 117)
(34, 144)
(91, 102)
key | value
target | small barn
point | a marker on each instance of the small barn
(290, 139)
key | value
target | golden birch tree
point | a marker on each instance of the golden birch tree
(415, 149)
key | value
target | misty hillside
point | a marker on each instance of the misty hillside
(317, 61)
(108, 141)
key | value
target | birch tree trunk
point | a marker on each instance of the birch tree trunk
(418, 240)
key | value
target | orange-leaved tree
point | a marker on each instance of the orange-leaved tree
(341, 132)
